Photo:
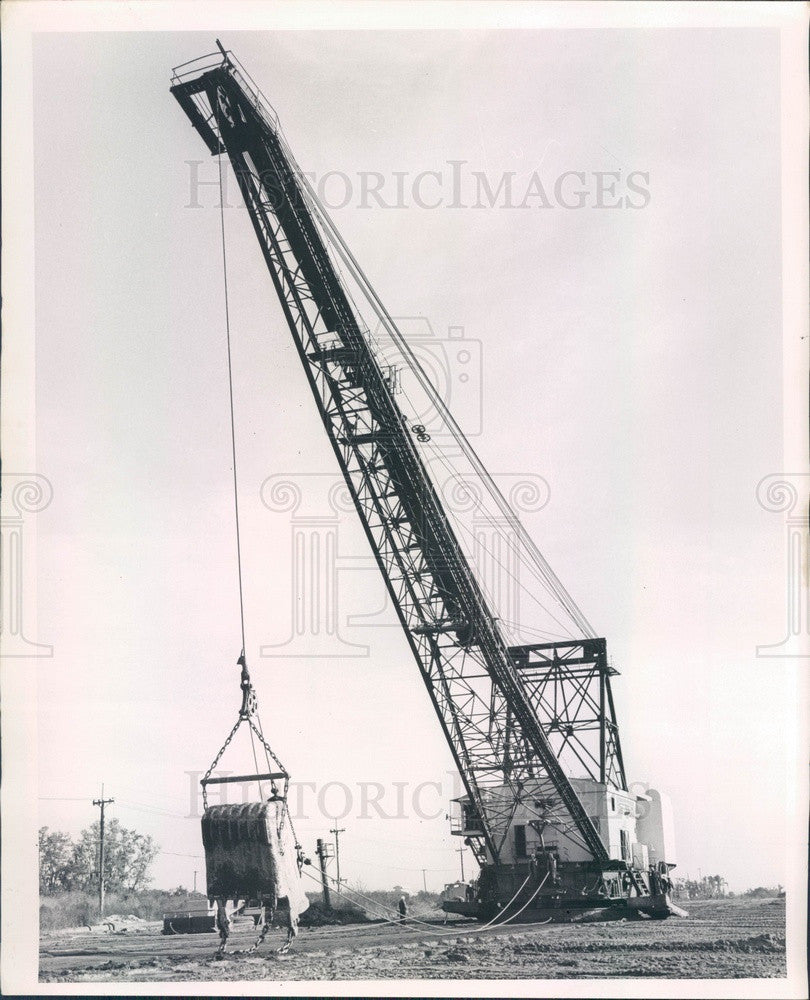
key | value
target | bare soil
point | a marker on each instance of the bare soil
(735, 938)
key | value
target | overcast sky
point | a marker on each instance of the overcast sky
(629, 356)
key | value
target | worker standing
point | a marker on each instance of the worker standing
(403, 908)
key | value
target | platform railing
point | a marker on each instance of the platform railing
(214, 60)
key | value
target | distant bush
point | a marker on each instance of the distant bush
(67, 909)
(420, 904)
(79, 908)
(380, 904)
(764, 892)
(707, 887)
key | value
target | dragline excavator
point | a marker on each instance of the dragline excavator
(520, 720)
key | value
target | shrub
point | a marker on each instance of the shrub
(79, 908)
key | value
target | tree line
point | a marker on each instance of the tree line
(66, 864)
(707, 887)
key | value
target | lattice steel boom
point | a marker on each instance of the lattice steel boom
(484, 706)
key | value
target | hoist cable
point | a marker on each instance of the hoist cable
(233, 435)
(256, 730)
(398, 920)
(230, 394)
(334, 236)
(443, 460)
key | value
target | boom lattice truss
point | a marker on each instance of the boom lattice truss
(487, 710)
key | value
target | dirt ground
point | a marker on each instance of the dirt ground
(720, 939)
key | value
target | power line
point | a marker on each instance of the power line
(398, 843)
(58, 798)
(126, 803)
(396, 868)
(140, 807)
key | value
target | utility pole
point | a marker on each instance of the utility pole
(195, 879)
(337, 832)
(322, 850)
(101, 803)
(424, 879)
(460, 852)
